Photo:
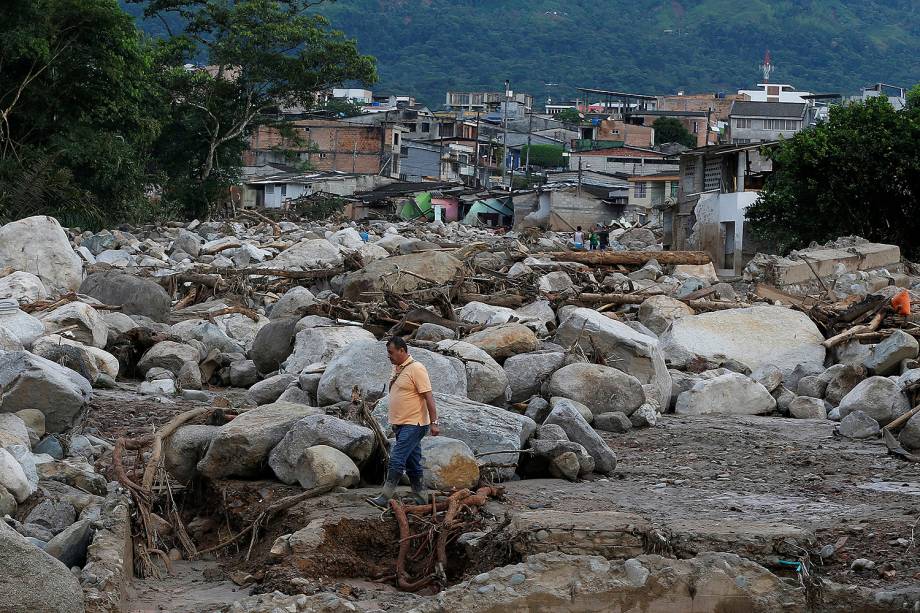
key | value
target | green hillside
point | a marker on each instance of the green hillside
(426, 47)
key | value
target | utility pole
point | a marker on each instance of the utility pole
(477, 182)
(529, 130)
(579, 176)
(505, 133)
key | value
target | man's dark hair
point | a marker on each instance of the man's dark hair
(398, 342)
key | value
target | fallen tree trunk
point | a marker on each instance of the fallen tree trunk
(629, 258)
(701, 305)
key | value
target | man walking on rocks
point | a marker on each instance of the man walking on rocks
(412, 414)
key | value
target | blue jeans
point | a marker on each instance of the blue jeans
(406, 454)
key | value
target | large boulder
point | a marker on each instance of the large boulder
(657, 312)
(728, 394)
(486, 381)
(483, 427)
(19, 328)
(28, 381)
(567, 416)
(448, 464)
(135, 295)
(34, 581)
(364, 363)
(910, 435)
(322, 466)
(858, 425)
(878, 397)
(69, 546)
(318, 345)
(13, 430)
(601, 388)
(241, 328)
(308, 254)
(887, 356)
(292, 303)
(483, 314)
(273, 344)
(357, 442)
(169, 355)
(81, 321)
(527, 371)
(187, 241)
(241, 447)
(434, 268)
(39, 245)
(87, 360)
(504, 340)
(23, 287)
(210, 335)
(622, 347)
(185, 448)
(754, 336)
(12, 477)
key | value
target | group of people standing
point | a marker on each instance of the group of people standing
(597, 239)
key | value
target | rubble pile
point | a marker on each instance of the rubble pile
(540, 357)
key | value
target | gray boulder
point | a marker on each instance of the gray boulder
(486, 381)
(448, 464)
(804, 407)
(189, 377)
(566, 416)
(318, 345)
(241, 447)
(886, 356)
(435, 267)
(323, 466)
(308, 254)
(54, 515)
(189, 242)
(483, 427)
(727, 394)
(23, 287)
(136, 295)
(645, 416)
(244, 374)
(537, 409)
(527, 372)
(504, 340)
(434, 333)
(269, 390)
(357, 442)
(364, 363)
(841, 379)
(615, 421)
(81, 321)
(754, 336)
(812, 386)
(38, 245)
(878, 397)
(32, 382)
(601, 388)
(13, 430)
(910, 435)
(69, 546)
(169, 355)
(273, 344)
(210, 335)
(293, 304)
(657, 312)
(857, 424)
(185, 448)
(34, 581)
(13, 478)
(622, 347)
(482, 314)
(549, 450)
(769, 376)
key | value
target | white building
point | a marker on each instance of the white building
(361, 96)
(775, 92)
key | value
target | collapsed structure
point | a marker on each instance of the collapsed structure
(216, 391)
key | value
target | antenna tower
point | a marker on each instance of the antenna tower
(766, 68)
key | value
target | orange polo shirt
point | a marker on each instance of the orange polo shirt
(408, 385)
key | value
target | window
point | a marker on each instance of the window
(741, 141)
(322, 156)
(674, 187)
(426, 127)
(614, 131)
(269, 189)
(696, 127)
(639, 190)
(412, 127)
(283, 190)
(396, 138)
(742, 123)
(404, 151)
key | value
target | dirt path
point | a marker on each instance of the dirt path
(192, 588)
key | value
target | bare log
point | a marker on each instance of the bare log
(702, 305)
(629, 258)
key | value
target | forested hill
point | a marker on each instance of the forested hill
(426, 47)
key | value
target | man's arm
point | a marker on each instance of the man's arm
(432, 413)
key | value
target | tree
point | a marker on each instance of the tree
(262, 55)
(857, 173)
(544, 156)
(338, 107)
(570, 116)
(77, 111)
(671, 130)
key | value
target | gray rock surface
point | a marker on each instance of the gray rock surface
(614, 421)
(886, 357)
(657, 312)
(528, 371)
(578, 430)
(910, 434)
(319, 345)
(448, 463)
(486, 381)
(169, 355)
(841, 379)
(727, 394)
(244, 374)
(31, 382)
(357, 442)
(185, 448)
(878, 397)
(135, 295)
(504, 340)
(241, 447)
(857, 424)
(269, 390)
(601, 388)
(38, 245)
(293, 304)
(804, 407)
(323, 466)
(81, 321)
(69, 546)
(34, 581)
(365, 364)
(273, 344)
(434, 333)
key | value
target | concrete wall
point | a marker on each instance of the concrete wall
(717, 214)
(420, 161)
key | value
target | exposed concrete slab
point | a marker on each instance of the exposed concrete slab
(607, 533)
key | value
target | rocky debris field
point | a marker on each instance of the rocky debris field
(206, 402)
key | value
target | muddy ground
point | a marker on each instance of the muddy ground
(728, 475)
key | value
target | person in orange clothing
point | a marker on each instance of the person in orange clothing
(412, 415)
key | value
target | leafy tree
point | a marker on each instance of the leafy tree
(544, 156)
(262, 55)
(570, 116)
(671, 130)
(337, 107)
(77, 111)
(857, 173)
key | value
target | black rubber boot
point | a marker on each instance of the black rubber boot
(419, 493)
(389, 489)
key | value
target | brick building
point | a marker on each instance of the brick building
(329, 145)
